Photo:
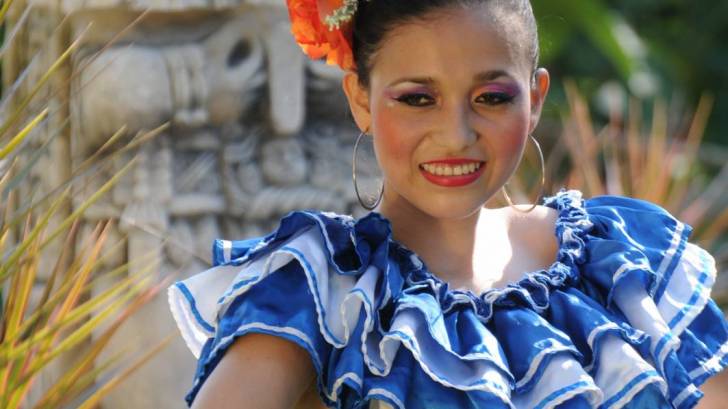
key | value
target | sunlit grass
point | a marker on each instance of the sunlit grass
(65, 314)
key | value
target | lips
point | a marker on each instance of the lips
(452, 172)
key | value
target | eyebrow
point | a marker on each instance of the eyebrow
(479, 77)
(491, 75)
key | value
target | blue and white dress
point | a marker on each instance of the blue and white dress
(623, 318)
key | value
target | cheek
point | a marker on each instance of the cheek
(513, 142)
(394, 141)
(513, 135)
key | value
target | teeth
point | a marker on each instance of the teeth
(447, 170)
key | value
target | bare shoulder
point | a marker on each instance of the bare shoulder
(255, 363)
(541, 217)
(535, 230)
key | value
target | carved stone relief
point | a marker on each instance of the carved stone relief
(255, 131)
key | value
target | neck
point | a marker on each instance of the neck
(447, 246)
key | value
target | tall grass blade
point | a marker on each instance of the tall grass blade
(20, 137)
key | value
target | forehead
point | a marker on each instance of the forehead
(457, 42)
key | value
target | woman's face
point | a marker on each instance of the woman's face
(450, 104)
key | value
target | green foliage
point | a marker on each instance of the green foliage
(562, 21)
(681, 46)
(688, 49)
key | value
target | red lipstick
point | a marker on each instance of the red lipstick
(452, 180)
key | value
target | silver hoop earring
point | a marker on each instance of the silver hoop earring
(543, 181)
(353, 177)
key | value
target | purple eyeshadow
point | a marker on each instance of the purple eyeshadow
(511, 90)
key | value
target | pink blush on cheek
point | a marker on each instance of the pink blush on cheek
(513, 142)
(513, 145)
(393, 137)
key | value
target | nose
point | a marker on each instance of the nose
(457, 130)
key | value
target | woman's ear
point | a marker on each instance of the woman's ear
(358, 98)
(539, 89)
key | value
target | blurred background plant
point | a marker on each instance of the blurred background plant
(633, 108)
(646, 49)
(71, 319)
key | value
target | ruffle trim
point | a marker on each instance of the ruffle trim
(617, 292)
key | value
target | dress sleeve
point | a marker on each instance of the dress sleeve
(193, 301)
(641, 264)
(285, 284)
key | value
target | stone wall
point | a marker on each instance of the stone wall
(255, 130)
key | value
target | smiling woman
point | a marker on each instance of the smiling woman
(459, 98)
(432, 300)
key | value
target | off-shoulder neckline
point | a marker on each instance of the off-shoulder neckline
(571, 223)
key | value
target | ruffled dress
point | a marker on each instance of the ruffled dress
(622, 319)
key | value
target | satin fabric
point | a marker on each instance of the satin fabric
(622, 319)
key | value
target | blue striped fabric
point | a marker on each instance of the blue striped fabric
(622, 319)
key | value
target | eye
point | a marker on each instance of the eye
(494, 98)
(416, 99)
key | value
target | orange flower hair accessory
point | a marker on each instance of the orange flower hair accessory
(323, 28)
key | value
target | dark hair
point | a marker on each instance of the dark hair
(375, 18)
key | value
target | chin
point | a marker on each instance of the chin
(447, 204)
(449, 208)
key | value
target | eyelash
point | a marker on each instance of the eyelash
(495, 98)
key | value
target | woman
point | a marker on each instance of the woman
(433, 300)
